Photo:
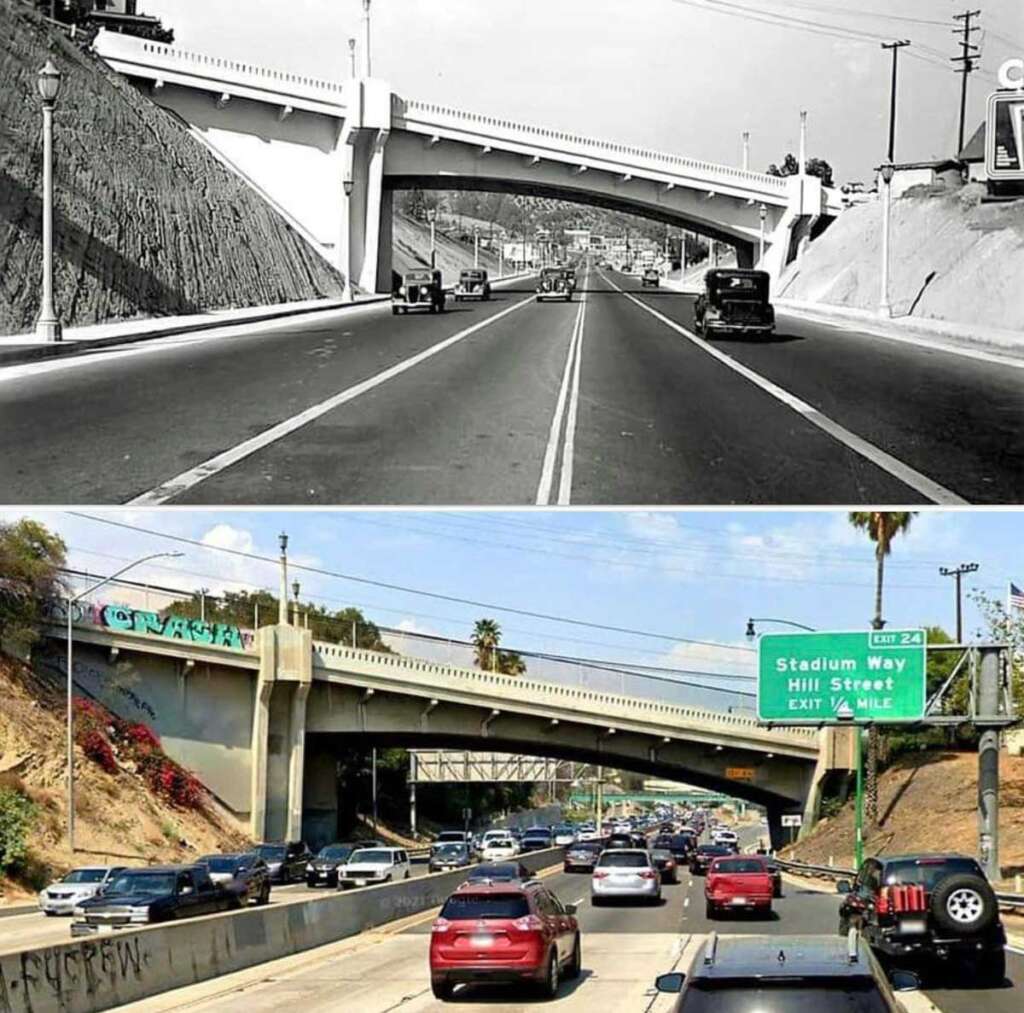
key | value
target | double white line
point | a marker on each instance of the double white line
(565, 411)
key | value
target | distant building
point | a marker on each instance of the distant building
(973, 156)
(123, 16)
(946, 172)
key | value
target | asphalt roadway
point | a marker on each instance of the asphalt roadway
(610, 399)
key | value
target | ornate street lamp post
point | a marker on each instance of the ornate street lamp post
(886, 171)
(48, 326)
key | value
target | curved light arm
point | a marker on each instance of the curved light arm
(124, 569)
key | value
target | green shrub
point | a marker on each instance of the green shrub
(17, 814)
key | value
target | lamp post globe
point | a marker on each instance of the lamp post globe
(49, 81)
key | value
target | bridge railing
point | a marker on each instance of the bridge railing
(429, 113)
(114, 46)
(609, 705)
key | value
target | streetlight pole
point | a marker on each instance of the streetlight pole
(48, 325)
(69, 606)
(282, 605)
(886, 171)
(957, 573)
(352, 58)
(752, 633)
(476, 246)
(746, 150)
(347, 293)
(295, 610)
(432, 218)
(366, 27)
(763, 212)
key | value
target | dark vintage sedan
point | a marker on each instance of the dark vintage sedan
(554, 284)
(734, 301)
(473, 284)
(421, 289)
(650, 277)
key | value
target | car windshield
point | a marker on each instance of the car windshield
(587, 846)
(713, 849)
(334, 852)
(450, 835)
(495, 872)
(624, 860)
(738, 865)
(737, 286)
(221, 863)
(84, 876)
(473, 906)
(927, 872)
(370, 856)
(454, 850)
(564, 830)
(418, 278)
(660, 854)
(152, 883)
(271, 852)
(472, 275)
(818, 995)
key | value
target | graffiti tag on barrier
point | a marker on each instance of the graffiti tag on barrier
(198, 631)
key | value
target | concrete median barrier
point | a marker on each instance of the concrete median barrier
(98, 973)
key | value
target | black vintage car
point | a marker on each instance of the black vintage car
(734, 301)
(420, 290)
(650, 277)
(473, 284)
(554, 284)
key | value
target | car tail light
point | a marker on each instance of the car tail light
(648, 874)
(440, 925)
(528, 923)
(600, 874)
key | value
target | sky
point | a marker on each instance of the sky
(681, 76)
(683, 575)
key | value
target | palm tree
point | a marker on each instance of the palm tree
(881, 527)
(486, 637)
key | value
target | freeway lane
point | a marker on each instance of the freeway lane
(21, 932)
(513, 402)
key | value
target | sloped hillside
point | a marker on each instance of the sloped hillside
(119, 817)
(412, 249)
(147, 222)
(927, 802)
(953, 258)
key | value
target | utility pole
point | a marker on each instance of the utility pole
(957, 573)
(966, 61)
(895, 47)
(366, 29)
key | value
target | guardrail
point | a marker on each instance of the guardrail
(1011, 900)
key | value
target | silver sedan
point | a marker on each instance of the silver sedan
(625, 872)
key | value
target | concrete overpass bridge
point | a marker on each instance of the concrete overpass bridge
(262, 722)
(302, 143)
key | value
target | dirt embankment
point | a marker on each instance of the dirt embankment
(119, 819)
(147, 222)
(953, 259)
(927, 802)
(411, 249)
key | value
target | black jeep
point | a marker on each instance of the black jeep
(927, 909)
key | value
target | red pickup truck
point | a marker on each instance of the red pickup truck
(738, 883)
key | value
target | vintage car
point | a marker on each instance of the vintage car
(420, 290)
(553, 284)
(734, 300)
(570, 275)
(650, 277)
(473, 284)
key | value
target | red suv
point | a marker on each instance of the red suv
(504, 933)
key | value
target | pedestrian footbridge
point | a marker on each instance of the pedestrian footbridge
(330, 154)
(262, 722)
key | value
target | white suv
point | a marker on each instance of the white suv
(498, 845)
(367, 866)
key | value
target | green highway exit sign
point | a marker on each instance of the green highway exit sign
(841, 678)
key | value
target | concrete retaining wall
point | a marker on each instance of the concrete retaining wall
(96, 974)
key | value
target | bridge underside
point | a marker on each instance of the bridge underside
(624, 203)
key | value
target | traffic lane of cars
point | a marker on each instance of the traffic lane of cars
(926, 407)
(23, 932)
(471, 425)
(660, 421)
(209, 393)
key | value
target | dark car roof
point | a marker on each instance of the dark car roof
(495, 886)
(734, 272)
(472, 272)
(927, 856)
(420, 273)
(758, 957)
(165, 868)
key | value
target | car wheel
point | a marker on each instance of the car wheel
(442, 990)
(709, 909)
(596, 901)
(394, 311)
(264, 897)
(408, 873)
(964, 904)
(549, 989)
(572, 972)
(310, 883)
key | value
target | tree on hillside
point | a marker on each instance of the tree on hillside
(1004, 626)
(815, 167)
(31, 558)
(881, 527)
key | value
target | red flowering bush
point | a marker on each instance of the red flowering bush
(141, 738)
(96, 747)
(176, 784)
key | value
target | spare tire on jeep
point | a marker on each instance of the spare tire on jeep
(964, 904)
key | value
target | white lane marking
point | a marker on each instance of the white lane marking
(201, 472)
(686, 903)
(909, 476)
(569, 447)
(547, 471)
(580, 901)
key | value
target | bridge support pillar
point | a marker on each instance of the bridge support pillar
(319, 797)
(279, 731)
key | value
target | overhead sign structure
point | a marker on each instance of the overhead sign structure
(740, 773)
(841, 678)
(791, 820)
(1004, 136)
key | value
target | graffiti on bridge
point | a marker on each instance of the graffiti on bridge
(198, 631)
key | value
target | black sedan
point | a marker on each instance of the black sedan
(536, 840)
(665, 862)
(582, 856)
(322, 869)
(499, 872)
(705, 855)
(246, 873)
(450, 856)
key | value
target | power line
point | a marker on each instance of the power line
(966, 60)
(511, 610)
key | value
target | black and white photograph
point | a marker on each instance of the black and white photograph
(512, 505)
